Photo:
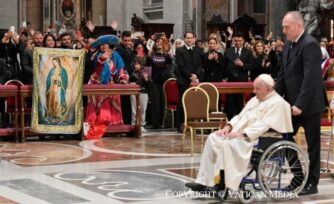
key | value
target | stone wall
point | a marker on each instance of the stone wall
(9, 14)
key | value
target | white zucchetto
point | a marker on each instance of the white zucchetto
(267, 79)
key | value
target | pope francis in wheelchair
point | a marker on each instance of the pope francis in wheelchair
(237, 152)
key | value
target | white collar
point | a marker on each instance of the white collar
(238, 48)
(192, 47)
(268, 96)
(300, 35)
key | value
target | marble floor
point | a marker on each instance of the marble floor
(118, 169)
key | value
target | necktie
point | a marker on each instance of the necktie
(292, 45)
(237, 54)
(191, 52)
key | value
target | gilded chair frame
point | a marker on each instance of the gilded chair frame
(213, 93)
(196, 103)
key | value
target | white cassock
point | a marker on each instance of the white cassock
(233, 155)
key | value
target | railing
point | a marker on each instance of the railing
(95, 90)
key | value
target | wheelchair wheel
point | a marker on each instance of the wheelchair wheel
(283, 170)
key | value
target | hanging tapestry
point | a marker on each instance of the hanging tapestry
(57, 92)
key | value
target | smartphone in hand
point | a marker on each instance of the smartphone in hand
(12, 29)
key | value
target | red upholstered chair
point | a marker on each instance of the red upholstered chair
(10, 101)
(327, 118)
(171, 94)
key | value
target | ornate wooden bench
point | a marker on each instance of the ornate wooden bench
(94, 90)
(10, 91)
(118, 89)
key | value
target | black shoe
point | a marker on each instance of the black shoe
(309, 189)
(154, 127)
(220, 192)
(295, 183)
(195, 186)
(206, 190)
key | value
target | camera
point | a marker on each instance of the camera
(211, 51)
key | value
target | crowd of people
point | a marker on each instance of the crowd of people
(224, 56)
(294, 64)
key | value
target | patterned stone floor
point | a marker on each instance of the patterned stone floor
(118, 170)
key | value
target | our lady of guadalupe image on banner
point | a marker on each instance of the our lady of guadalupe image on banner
(57, 93)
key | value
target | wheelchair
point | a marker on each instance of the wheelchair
(278, 170)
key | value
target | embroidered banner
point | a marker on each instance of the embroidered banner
(57, 93)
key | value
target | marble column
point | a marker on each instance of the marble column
(115, 12)
(233, 10)
(280, 8)
(35, 14)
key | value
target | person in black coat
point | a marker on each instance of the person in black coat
(27, 64)
(275, 57)
(238, 62)
(160, 61)
(301, 84)
(189, 69)
(9, 67)
(213, 63)
(125, 51)
(262, 64)
(8, 57)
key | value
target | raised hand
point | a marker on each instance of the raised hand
(90, 25)
(114, 24)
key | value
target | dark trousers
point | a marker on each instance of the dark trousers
(234, 104)
(311, 125)
(126, 109)
(157, 104)
(179, 120)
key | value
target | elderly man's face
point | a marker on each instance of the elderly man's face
(291, 28)
(261, 90)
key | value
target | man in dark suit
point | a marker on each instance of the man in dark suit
(124, 50)
(27, 65)
(27, 60)
(239, 61)
(300, 82)
(189, 69)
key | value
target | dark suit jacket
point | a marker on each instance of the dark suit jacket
(27, 66)
(235, 73)
(127, 57)
(300, 80)
(187, 66)
(214, 71)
